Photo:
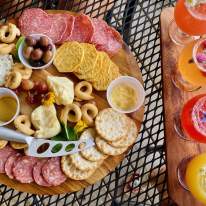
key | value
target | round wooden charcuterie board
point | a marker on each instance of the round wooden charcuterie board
(128, 66)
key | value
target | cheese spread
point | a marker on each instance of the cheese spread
(6, 63)
(124, 96)
(63, 89)
(45, 121)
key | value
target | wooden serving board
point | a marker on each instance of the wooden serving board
(128, 66)
(174, 100)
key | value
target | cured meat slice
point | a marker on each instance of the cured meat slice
(70, 26)
(83, 29)
(4, 155)
(10, 164)
(37, 173)
(58, 28)
(35, 21)
(22, 171)
(105, 37)
(52, 172)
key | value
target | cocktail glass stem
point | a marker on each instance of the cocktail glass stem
(177, 36)
(181, 171)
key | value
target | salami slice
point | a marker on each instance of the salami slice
(37, 173)
(70, 26)
(34, 21)
(5, 153)
(58, 28)
(10, 164)
(52, 172)
(22, 171)
(105, 37)
(83, 29)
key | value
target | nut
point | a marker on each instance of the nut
(27, 84)
(44, 41)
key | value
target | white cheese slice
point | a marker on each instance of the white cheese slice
(45, 121)
(63, 89)
(6, 63)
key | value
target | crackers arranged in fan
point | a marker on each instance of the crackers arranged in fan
(113, 134)
(87, 63)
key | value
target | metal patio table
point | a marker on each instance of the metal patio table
(138, 22)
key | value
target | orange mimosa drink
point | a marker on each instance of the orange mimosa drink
(191, 18)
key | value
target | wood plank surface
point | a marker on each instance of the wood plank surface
(174, 99)
(128, 66)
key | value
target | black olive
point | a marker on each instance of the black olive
(36, 63)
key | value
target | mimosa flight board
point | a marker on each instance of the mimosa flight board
(68, 54)
(174, 99)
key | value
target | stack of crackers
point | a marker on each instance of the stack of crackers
(86, 63)
(113, 134)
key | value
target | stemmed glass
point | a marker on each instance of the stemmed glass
(190, 21)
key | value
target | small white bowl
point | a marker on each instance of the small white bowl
(25, 62)
(7, 92)
(133, 82)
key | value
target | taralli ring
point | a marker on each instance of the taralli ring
(24, 71)
(23, 124)
(89, 112)
(13, 80)
(83, 91)
(6, 48)
(8, 33)
(71, 112)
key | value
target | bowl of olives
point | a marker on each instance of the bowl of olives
(37, 51)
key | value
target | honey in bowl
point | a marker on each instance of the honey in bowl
(8, 108)
(124, 96)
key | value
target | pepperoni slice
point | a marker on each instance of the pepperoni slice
(35, 21)
(83, 29)
(10, 164)
(52, 172)
(5, 153)
(37, 173)
(22, 171)
(70, 26)
(105, 37)
(58, 28)
(187, 121)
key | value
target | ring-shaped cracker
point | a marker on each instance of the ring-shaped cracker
(24, 71)
(13, 80)
(8, 33)
(23, 124)
(71, 113)
(83, 91)
(89, 112)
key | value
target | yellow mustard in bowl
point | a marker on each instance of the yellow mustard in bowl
(124, 96)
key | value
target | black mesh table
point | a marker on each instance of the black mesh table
(138, 22)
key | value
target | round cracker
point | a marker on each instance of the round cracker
(111, 125)
(81, 163)
(69, 56)
(129, 139)
(72, 172)
(107, 149)
(92, 153)
(3, 143)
